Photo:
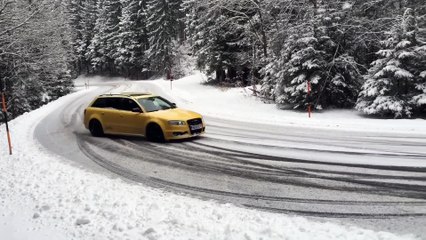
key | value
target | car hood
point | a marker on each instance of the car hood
(175, 114)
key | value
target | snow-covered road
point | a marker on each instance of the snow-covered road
(373, 177)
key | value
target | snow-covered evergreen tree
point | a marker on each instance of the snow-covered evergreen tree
(271, 73)
(305, 64)
(395, 83)
(282, 40)
(113, 10)
(314, 57)
(418, 101)
(190, 9)
(87, 22)
(96, 53)
(343, 78)
(75, 10)
(205, 37)
(131, 41)
(163, 28)
(222, 38)
(82, 18)
(102, 47)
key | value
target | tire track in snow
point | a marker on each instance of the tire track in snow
(154, 154)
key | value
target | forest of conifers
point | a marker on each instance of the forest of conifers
(364, 54)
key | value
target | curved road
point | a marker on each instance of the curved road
(345, 176)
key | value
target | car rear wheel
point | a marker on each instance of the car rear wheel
(154, 133)
(95, 128)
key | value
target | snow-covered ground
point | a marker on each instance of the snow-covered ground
(44, 197)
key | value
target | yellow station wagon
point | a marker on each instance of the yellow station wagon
(141, 114)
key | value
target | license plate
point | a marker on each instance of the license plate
(196, 127)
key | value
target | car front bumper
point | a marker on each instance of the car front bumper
(182, 133)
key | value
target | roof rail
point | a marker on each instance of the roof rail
(110, 94)
(132, 94)
(127, 94)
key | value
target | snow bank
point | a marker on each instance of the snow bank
(43, 197)
(239, 104)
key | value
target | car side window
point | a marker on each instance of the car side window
(133, 105)
(127, 104)
(100, 103)
(111, 103)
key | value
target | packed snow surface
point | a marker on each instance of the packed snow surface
(44, 197)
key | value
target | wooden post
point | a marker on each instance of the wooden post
(309, 98)
(4, 110)
(170, 78)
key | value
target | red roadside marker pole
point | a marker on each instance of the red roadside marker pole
(309, 98)
(4, 110)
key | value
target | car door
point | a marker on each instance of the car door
(111, 116)
(132, 120)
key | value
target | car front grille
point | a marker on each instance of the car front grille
(193, 122)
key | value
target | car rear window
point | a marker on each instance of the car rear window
(116, 103)
(100, 103)
(107, 103)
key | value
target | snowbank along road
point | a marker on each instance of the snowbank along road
(375, 180)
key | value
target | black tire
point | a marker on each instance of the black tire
(154, 133)
(95, 128)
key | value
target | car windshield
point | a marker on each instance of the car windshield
(153, 104)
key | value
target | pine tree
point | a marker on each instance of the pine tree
(282, 40)
(418, 101)
(131, 40)
(113, 12)
(271, 73)
(314, 57)
(87, 22)
(163, 27)
(205, 37)
(190, 9)
(395, 83)
(75, 11)
(102, 47)
(96, 53)
(305, 64)
(343, 78)
(221, 42)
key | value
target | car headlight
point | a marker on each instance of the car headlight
(177, 122)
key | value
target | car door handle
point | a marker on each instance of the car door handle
(102, 113)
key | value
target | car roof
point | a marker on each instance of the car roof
(129, 94)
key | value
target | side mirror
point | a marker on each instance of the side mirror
(136, 110)
(174, 105)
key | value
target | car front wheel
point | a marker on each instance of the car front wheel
(154, 133)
